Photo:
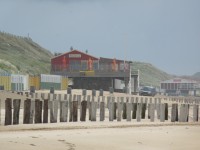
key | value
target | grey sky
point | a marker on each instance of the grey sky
(165, 33)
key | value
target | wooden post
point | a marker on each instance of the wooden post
(79, 97)
(102, 111)
(184, 113)
(128, 111)
(195, 113)
(38, 112)
(63, 111)
(114, 110)
(83, 110)
(162, 112)
(27, 107)
(138, 113)
(143, 110)
(158, 110)
(150, 102)
(108, 101)
(8, 111)
(111, 107)
(45, 111)
(174, 113)
(166, 111)
(124, 110)
(119, 110)
(134, 110)
(88, 101)
(70, 108)
(93, 110)
(53, 111)
(32, 111)
(152, 112)
(75, 111)
(16, 106)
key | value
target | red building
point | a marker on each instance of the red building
(90, 72)
(74, 61)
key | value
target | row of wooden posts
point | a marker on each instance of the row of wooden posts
(39, 110)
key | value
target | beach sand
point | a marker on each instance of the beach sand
(100, 136)
(144, 135)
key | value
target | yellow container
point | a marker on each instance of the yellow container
(34, 81)
(6, 82)
(64, 83)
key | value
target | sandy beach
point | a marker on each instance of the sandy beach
(144, 135)
(98, 136)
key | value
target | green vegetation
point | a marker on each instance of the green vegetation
(150, 75)
(21, 54)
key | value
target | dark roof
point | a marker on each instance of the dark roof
(108, 60)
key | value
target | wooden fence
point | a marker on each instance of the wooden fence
(52, 108)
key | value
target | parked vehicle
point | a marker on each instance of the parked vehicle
(147, 91)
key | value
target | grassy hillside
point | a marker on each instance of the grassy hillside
(150, 75)
(23, 55)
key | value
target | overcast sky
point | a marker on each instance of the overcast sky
(165, 33)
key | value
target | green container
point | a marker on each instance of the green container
(48, 85)
(17, 86)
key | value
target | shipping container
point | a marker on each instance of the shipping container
(34, 81)
(48, 81)
(19, 82)
(5, 82)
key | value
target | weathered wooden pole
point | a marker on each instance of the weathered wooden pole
(32, 111)
(114, 109)
(162, 112)
(128, 111)
(152, 112)
(75, 111)
(102, 110)
(53, 105)
(45, 111)
(63, 110)
(111, 107)
(158, 110)
(195, 113)
(134, 110)
(119, 110)
(83, 110)
(184, 113)
(143, 110)
(8, 111)
(166, 111)
(93, 110)
(27, 108)
(138, 113)
(108, 101)
(174, 113)
(70, 108)
(38, 112)
(124, 111)
(16, 106)
(88, 101)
